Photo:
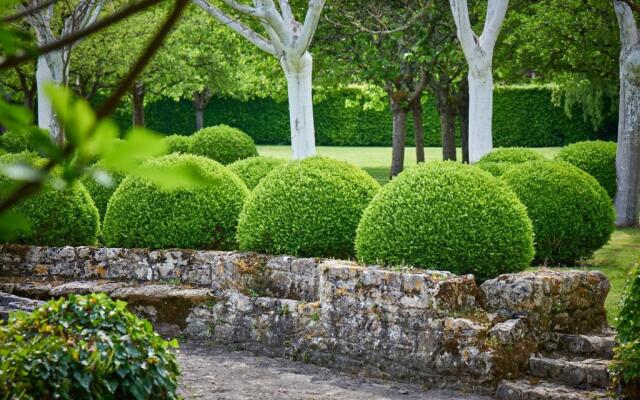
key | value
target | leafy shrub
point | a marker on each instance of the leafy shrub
(14, 142)
(493, 167)
(571, 213)
(101, 184)
(447, 216)
(512, 155)
(626, 365)
(56, 217)
(178, 144)
(597, 158)
(306, 208)
(84, 347)
(223, 144)
(141, 214)
(252, 170)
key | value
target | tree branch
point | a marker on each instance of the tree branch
(314, 10)
(238, 27)
(30, 188)
(467, 38)
(66, 40)
(496, 11)
(244, 8)
(26, 12)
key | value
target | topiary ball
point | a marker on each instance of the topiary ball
(307, 208)
(101, 191)
(513, 155)
(493, 167)
(571, 213)
(447, 216)
(85, 347)
(597, 158)
(14, 142)
(252, 170)
(66, 217)
(223, 144)
(178, 144)
(141, 214)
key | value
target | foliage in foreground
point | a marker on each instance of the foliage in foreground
(253, 170)
(223, 144)
(307, 208)
(447, 216)
(86, 347)
(56, 217)
(143, 214)
(626, 366)
(572, 214)
(597, 158)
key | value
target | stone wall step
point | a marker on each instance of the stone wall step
(545, 390)
(595, 346)
(583, 374)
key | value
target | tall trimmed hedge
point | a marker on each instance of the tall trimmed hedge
(523, 116)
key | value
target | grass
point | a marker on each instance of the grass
(375, 160)
(614, 260)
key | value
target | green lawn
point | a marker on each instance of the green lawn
(614, 260)
(375, 160)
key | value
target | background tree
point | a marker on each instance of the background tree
(627, 200)
(288, 40)
(479, 54)
(54, 66)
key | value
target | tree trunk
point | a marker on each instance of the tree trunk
(627, 201)
(137, 100)
(463, 113)
(200, 101)
(418, 129)
(50, 70)
(448, 132)
(481, 113)
(299, 74)
(399, 138)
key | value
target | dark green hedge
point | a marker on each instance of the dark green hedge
(523, 116)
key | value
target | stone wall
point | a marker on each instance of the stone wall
(432, 327)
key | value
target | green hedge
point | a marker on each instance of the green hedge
(523, 116)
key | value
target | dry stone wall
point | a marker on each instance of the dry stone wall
(432, 327)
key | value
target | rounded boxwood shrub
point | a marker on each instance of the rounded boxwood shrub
(85, 347)
(625, 368)
(56, 217)
(597, 158)
(447, 216)
(141, 214)
(306, 208)
(101, 193)
(17, 142)
(223, 144)
(513, 155)
(178, 144)
(252, 170)
(493, 167)
(571, 213)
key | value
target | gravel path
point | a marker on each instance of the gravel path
(219, 374)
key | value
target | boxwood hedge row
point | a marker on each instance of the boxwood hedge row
(523, 116)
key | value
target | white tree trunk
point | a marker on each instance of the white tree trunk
(480, 114)
(288, 40)
(50, 70)
(478, 52)
(299, 78)
(627, 201)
